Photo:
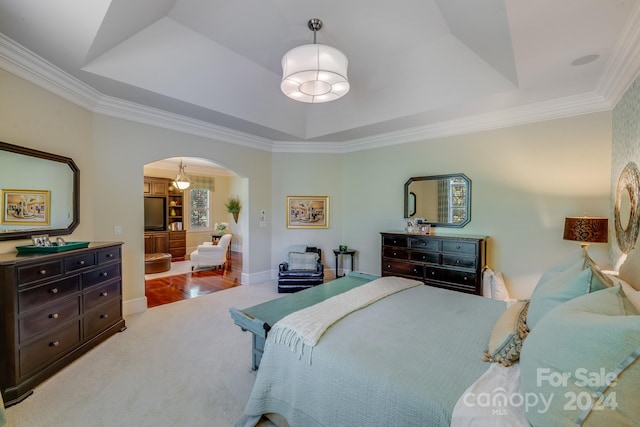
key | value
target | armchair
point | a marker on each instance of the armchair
(301, 271)
(210, 255)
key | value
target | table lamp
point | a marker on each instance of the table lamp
(586, 230)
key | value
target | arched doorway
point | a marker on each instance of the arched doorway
(193, 217)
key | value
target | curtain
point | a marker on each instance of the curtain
(203, 183)
(443, 200)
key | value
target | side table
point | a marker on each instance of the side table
(338, 252)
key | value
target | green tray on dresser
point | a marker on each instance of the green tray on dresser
(54, 248)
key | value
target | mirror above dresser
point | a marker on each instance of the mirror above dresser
(40, 193)
(439, 200)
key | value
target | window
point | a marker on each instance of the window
(199, 208)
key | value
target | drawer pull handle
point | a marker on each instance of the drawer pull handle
(433, 273)
(109, 255)
(54, 316)
(415, 270)
(43, 272)
(465, 278)
(104, 274)
(54, 291)
(457, 261)
(104, 316)
(458, 247)
(104, 294)
(395, 253)
(54, 344)
(81, 262)
(388, 266)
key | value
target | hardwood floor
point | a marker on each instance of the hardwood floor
(194, 284)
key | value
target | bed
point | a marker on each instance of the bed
(424, 356)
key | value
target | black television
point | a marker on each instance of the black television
(155, 214)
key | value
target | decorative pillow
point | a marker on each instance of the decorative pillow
(589, 346)
(493, 285)
(578, 277)
(499, 288)
(555, 290)
(632, 294)
(303, 261)
(508, 335)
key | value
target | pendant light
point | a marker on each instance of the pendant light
(182, 180)
(314, 73)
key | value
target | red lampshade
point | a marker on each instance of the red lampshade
(586, 229)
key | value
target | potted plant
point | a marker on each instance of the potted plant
(233, 206)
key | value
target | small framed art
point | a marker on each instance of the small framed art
(307, 211)
(26, 207)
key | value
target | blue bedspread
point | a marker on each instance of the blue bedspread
(403, 361)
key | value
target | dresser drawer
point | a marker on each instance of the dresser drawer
(48, 348)
(79, 262)
(459, 261)
(47, 270)
(108, 255)
(100, 275)
(465, 279)
(47, 293)
(101, 318)
(459, 247)
(395, 253)
(48, 317)
(402, 268)
(101, 295)
(425, 243)
(429, 257)
(398, 241)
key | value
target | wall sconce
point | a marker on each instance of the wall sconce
(586, 230)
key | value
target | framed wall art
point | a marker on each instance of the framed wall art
(307, 211)
(26, 207)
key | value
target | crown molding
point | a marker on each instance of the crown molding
(623, 66)
(620, 71)
(131, 111)
(548, 110)
(25, 64)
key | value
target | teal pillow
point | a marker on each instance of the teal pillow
(555, 287)
(589, 346)
(303, 261)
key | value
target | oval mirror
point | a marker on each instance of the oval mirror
(40, 193)
(626, 208)
(440, 200)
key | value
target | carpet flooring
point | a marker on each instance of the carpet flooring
(179, 364)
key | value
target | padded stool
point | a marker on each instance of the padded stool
(157, 263)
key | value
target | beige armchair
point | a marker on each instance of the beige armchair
(210, 255)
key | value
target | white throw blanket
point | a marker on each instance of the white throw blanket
(306, 327)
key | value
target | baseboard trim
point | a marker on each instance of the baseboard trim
(134, 306)
(252, 279)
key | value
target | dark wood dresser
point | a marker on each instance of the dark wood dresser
(451, 262)
(55, 308)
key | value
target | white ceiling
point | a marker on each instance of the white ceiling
(417, 68)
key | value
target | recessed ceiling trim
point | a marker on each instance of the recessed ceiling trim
(565, 107)
(27, 65)
(624, 62)
(119, 108)
(621, 71)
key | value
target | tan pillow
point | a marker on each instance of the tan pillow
(508, 335)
